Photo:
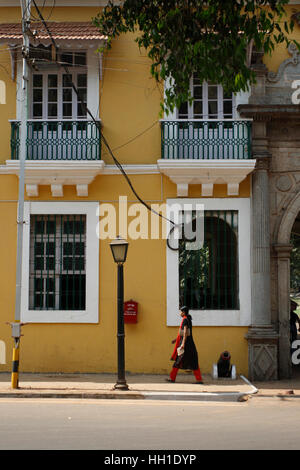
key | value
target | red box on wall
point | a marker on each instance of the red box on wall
(130, 311)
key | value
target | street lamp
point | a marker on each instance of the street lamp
(119, 248)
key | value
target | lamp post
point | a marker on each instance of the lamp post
(119, 248)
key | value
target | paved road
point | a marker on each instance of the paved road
(152, 425)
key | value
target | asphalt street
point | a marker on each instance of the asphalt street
(74, 424)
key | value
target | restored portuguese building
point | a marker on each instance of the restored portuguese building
(231, 161)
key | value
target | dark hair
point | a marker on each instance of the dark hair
(294, 305)
(185, 310)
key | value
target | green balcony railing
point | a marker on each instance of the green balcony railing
(58, 140)
(200, 140)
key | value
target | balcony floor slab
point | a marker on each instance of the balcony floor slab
(57, 174)
(207, 173)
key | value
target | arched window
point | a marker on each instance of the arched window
(208, 276)
(295, 257)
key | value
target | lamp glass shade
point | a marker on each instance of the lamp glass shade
(119, 249)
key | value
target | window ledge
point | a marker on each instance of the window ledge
(215, 318)
(57, 174)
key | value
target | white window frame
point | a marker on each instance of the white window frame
(92, 68)
(241, 97)
(239, 317)
(74, 72)
(205, 100)
(91, 312)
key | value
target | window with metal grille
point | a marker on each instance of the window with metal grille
(208, 276)
(57, 262)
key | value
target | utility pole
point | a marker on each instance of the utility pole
(16, 326)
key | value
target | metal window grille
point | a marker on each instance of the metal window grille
(57, 262)
(208, 277)
(295, 257)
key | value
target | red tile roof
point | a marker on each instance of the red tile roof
(12, 32)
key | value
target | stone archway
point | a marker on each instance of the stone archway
(283, 249)
(288, 219)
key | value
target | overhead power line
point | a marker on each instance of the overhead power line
(97, 123)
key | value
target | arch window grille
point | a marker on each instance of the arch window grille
(208, 276)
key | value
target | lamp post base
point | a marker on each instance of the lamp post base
(121, 385)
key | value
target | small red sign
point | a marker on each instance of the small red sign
(130, 311)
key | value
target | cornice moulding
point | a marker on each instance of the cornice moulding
(207, 173)
(12, 165)
(181, 172)
(269, 111)
(57, 174)
(132, 170)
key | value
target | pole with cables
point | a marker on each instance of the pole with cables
(16, 326)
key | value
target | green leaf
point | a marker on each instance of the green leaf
(208, 37)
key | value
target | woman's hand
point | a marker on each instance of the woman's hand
(174, 341)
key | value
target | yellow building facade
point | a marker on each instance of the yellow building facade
(72, 185)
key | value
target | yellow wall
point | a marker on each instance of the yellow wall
(92, 348)
(273, 61)
(8, 110)
(129, 109)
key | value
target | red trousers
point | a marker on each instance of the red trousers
(197, 374)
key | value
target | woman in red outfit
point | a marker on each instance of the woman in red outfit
(185, 353)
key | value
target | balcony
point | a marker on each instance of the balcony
(207, 153)
(212, 140)
(58, 140)
(58, 153)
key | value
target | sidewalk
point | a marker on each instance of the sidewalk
(100, 386)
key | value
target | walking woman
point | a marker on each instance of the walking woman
(185, 352)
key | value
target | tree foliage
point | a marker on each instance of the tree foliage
(295, 263)
(210, 38)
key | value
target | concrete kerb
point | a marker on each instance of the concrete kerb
(204, 396)
(69, 391)
(73, 394)
(146, 387)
